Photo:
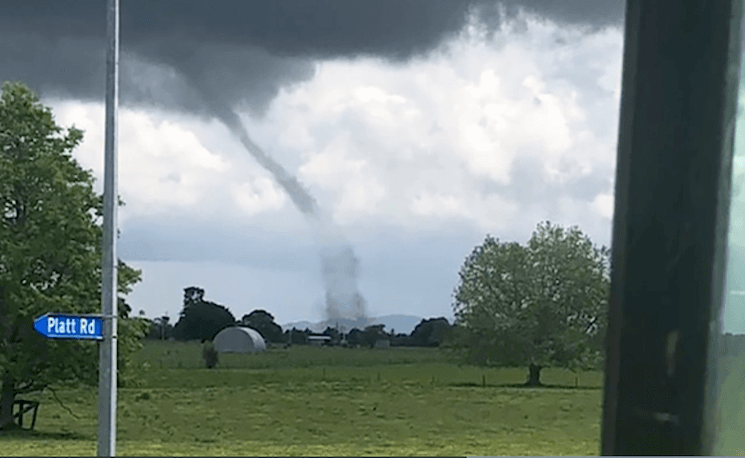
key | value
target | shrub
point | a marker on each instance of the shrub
(209, 354)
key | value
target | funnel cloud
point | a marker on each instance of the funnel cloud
(339, 263)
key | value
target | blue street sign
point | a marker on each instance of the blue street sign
(61, 326)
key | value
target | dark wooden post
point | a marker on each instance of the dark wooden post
(678, 109)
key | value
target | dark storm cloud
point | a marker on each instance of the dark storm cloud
(178, 53)
(243, 51)
(586, 13)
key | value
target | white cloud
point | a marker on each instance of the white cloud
(603, 205)
(439, 205)
(165, 169)
(360, 190)
(416, 139)
(257, 196)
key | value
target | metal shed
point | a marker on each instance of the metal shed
(319, 340)
(239, 339)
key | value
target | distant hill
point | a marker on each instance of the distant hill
(399, 323)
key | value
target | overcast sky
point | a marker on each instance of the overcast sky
(420, 126)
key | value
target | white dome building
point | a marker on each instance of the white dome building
(238, 339)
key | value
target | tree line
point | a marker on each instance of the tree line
(537, 305)
(201, 320)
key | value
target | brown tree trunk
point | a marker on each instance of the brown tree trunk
(7, 396)
(534, 375)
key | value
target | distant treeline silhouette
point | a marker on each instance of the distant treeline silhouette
(732, 344)
(202, 320)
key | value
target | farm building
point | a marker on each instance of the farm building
(319, 340)
(239, 339)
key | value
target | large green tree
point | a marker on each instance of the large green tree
(160, 328)
(201, 319)
(539, 305)
(430, 332)
(372, 334)
(50, 252)
(263, 322)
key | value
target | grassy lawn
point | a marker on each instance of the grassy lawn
(325, 401)
(729, 410)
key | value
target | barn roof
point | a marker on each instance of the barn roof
(239, 339)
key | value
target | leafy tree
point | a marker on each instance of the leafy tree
(372, 334)
(430, 333)
(210, 354)
(334, 334)
(193, 295)
(400, 339)
(200, 319)
(354, 338)
(732, 345)
(160, 328)
(539, 305)
(50, 253)
(297, 337)
(264, 323)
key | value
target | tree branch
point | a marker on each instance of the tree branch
(54, 394)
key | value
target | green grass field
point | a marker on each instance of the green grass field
(325, 401)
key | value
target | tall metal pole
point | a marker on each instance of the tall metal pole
(107, 363)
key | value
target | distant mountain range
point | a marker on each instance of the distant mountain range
(399, 323)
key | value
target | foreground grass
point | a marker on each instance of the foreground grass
(347, 402)
(331, 418)
(178, 355)
(729, 408)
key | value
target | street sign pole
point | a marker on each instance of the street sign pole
(107, 362)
